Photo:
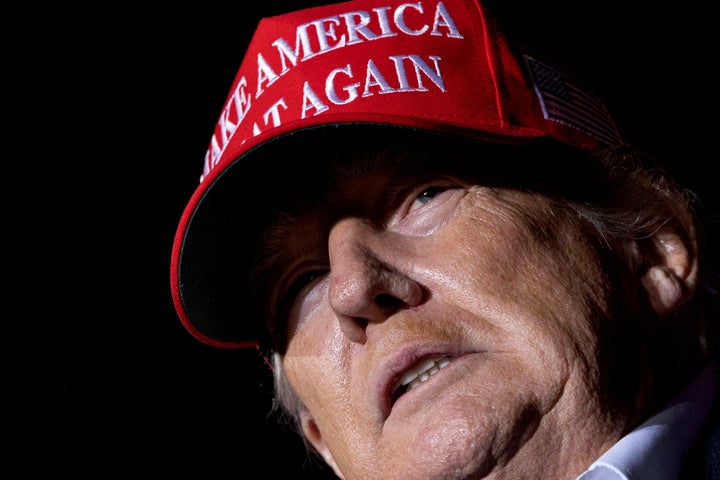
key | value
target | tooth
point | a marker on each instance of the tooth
(422, 371)
(420, 367)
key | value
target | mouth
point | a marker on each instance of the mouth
(418, 374)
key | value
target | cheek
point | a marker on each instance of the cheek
(317, 360)
(538, 279)
(316, 366)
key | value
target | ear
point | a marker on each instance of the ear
(314, 436)
(670, 263)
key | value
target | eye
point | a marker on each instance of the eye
(426, 195)
(299, 283)
(297, 288)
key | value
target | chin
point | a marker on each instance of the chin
(447, 449)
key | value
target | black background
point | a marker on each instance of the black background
(108, 110)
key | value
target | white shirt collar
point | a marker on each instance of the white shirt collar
(655, 450)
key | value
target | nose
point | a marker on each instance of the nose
(368, 278)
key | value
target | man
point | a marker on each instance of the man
(455, 265)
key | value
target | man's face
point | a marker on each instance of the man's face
(497, 295)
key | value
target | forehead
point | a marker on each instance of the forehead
(349, 161)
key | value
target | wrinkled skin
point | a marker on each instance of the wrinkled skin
(394, 268)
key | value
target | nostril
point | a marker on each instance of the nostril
(385, 300)
(354, 328)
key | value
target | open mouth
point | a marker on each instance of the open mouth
(419, 373)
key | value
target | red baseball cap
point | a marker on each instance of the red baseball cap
(427, 65)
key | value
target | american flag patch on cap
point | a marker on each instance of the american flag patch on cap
(563, 102)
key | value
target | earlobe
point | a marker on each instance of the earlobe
(669, 258)
(314, 436)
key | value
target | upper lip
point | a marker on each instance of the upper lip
(392, 368)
